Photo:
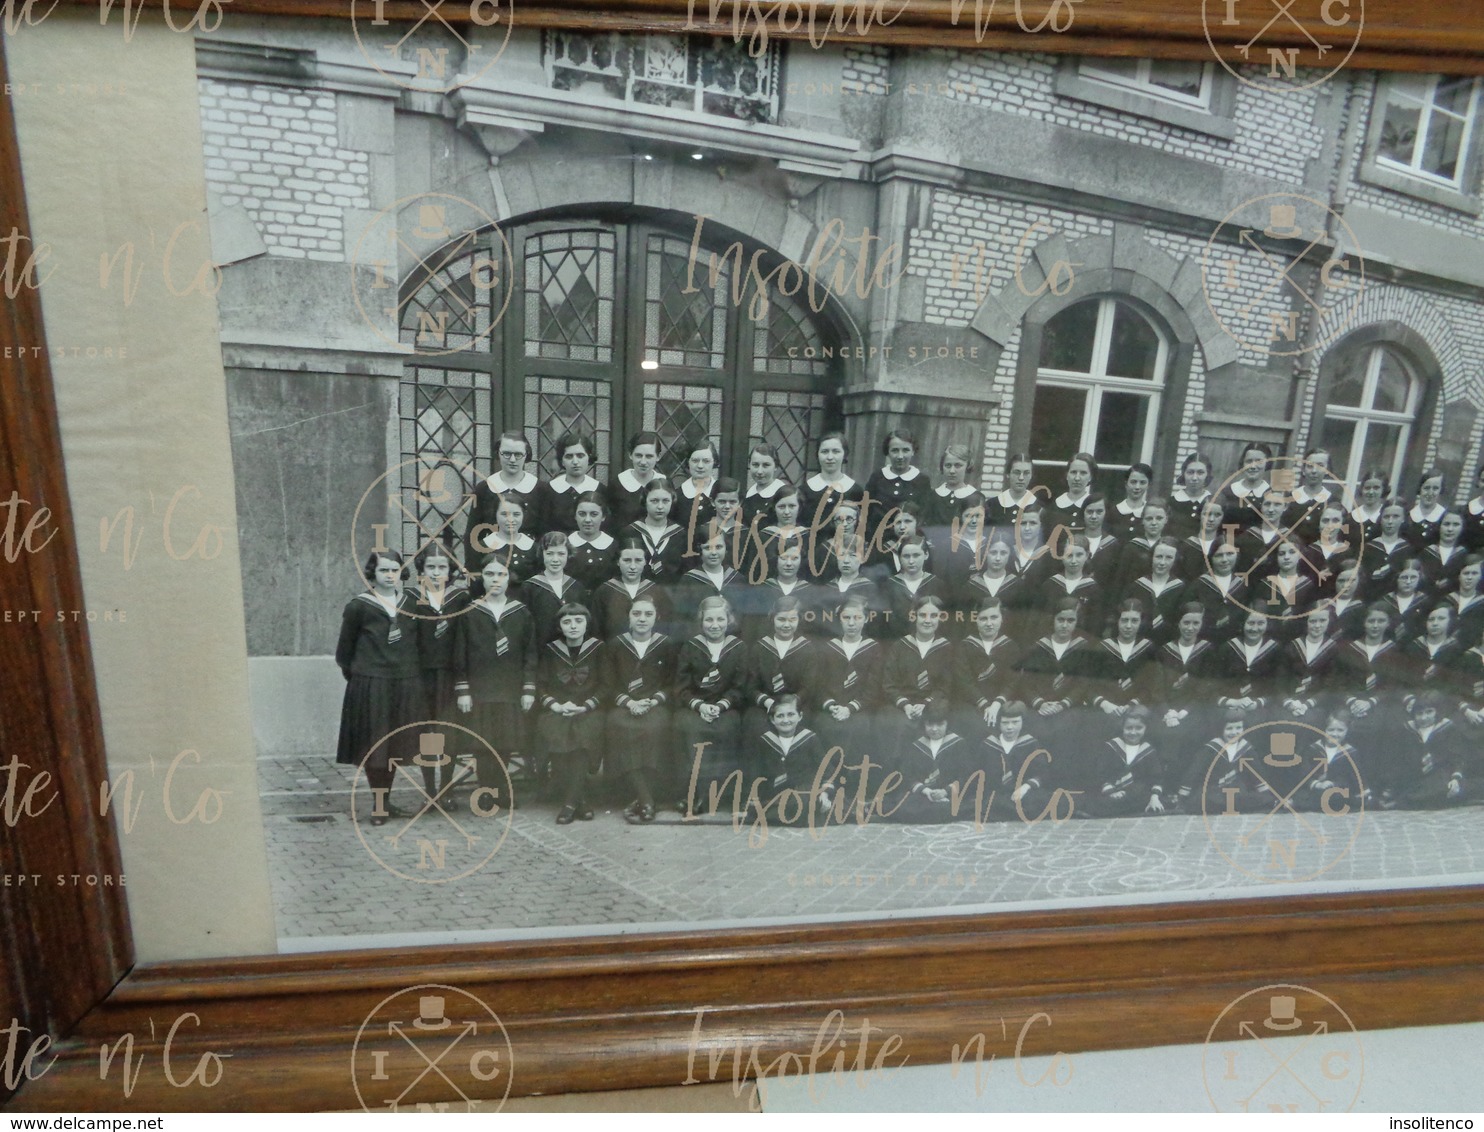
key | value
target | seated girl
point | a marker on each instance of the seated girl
(1129, 772)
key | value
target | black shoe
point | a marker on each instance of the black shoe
(566, 816)
(585, 813)
(646, 814)
(378, 819)
(632, 813)
(449, 803)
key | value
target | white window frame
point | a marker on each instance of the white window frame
(1366, 414)
(1142, 83)
(1099, 381)
(1429, 107)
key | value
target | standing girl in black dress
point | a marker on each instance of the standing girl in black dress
(510, 480)
(639, 674)
(548, 591)
(569, 727)
(710, 682)
(495, 671)
(508, 541)
(377, 654)
(591, 551)
(627, 492)
(1190, 495)
(663, 538)
(440, 602)
(899, 480)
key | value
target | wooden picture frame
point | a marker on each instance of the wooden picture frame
(592, 1014)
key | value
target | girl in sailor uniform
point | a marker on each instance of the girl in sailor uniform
(510, 480)
(1368, 670)
(1159, 592)
(1033, 558)
(985, 665)
(848, 681)
(1375, 488)
(1431, 764)
(1408, 603)
(1301, 516)
(440, 602)
(919, 666)
(780, 663)
(848, 581)
(1468, 679)
(495, 671)
(1288, 593)
(726, 497)
(786, 756)
(575, 453)
(1473, 515)
(663, 538)
(1127, 520)
(1074, 582)
(592, 552)
(906, 523)
(1066, 508)
(1183, 689)
(930, 766)
(508, 541)
(773, 527)
(1348, 606)
(1241, 496)
(824, 491)
(569, 724)
(627, 491)
(1196, 549)
(1308, 667)
(1002, 512)
(944, 502)
(1103, 549)
(1053, 673)
(1246, 667)
(763, 485)
(962, 548)
(548, 591)
(1322, 558)
(1215, 782)
(1444, 557)
(910, 582)
(638, 676)
(1017, 767)
(1257, 546)
(1190, 495)
(378, 656)
(1427, 511)
(1385, 553)
(1129, 772)
(1120, 671)
(1338, 782)
(1468, 601)
(899, 480)
(1223, 594)
(613, 599)
(1134, 561)
(1000, 583)
(711, 578)
(710, 689)
(784, 569)
(694, 508)
(1430, 659)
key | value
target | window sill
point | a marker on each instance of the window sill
(1372, 172)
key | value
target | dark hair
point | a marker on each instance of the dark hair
(1147, 471)
(1198, 458)
(768, 450)
(1067, 605)
(899, 434)
(990, 602)
(1095, 497)
(912, 540)
(520, 436)
(368, 571)
(645, 438)
(575, 439)
(590, 497)
(549, 540)
(835, 434)
(935, 711)
(1257, 446)
(1188, 608)
(1019, 458)
(1139, 712)
(435, 549)
(970, 502)
(1433, 472)
(785, 491)
(1013, 709)
(910, 507)
(1167, 540)
(725, 484)
(1377, 474)
(787, 603)
(1378, 607)
(1157, 501)
(922, 601)
(659, 483)
(788, 699)
(1091, 462)
(1131, 605)
(1432, 698)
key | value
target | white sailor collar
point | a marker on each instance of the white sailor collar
(629, 483)
(754, 492)
(602, 542)
(561, 485)
(1242, 491)
(1003, 498)
(1182, 496)
(688, 487)
(521, 541)
(1065, 499)
(1123, 508)
(963, 491)
(908, 476)
(817, 482)
(524, 486)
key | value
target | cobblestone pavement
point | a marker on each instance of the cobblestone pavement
(335, 875)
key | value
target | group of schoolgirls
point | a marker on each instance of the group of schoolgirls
(686, 637)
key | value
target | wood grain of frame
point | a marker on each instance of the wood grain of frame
(620, 1012)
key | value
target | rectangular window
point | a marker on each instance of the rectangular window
(1426, 123)
(1181, 82)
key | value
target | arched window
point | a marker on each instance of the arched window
(1099, 382)
(608, 326)
(1370, 405)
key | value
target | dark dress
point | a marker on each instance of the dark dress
(818, 501)
(663, 552)
(890, 490)
(772, 672)
(522, 557)
(636, 742)
(854, 682)
(592, 563)
(611, 602)
(437, 632)
(530, 493)
(986, 672)
(1185, 514)
(1124, 779)
(626, 497)
(707, 752)
(545, 603)
(495, 665)
(560, 504)
(378, 655)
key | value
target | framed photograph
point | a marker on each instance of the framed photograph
(654, 543)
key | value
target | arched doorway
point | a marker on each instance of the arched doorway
(611, 324)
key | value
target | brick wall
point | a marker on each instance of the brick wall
(866, 66)
(275, 152)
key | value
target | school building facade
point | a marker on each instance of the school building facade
(1015, 252)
